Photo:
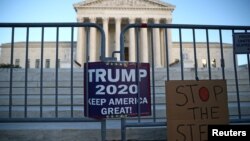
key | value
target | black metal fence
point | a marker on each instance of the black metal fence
(211, 34)
(38, 94)
(19, 86)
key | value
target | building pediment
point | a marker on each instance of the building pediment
(124, 4)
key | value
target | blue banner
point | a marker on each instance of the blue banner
(111, 89)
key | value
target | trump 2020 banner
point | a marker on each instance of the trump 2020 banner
(111, 89)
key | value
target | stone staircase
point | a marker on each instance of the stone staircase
(91, 131)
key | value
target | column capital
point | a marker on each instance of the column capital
(157, 20)
(80, 19)
(118, 19)
(106, 19)
(169, 20)
(144, 20)
(92, 19)
(131, 20)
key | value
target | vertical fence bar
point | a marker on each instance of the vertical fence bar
(181, 55)
(153, 73)
(71, 73)
(167, 52)
(137, 73)
(87, 69)
(103, 123)
(11, 70)
(236, 77)
(27, 66)
(195, 55)
(103, 130)
(123, 129)
(222, 55)
(41, 74)
(26, 73)
(248, 62)
(208, 55)
(56, 66)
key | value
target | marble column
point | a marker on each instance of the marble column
(106, 30)
(163, 46)
(144, 42)
(170, 44)
(81, 48)
(132, 52)
(157, 48)
(117, 36)
(92, 49)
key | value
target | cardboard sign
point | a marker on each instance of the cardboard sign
(112, 89)
(192, 105)
(241, 43)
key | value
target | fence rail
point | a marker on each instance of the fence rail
(130, 123)
(12, 91)
(48, 86)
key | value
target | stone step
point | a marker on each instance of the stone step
(79, 90)
(65, 111)
(65, 74)
(46, 90)
(47, 100)
(79, 83)
(229, 82)
(230, 88)
(36, 84)
(175, 74)
(65, 100)
(48, 75)
(76, 132)
(48, 111)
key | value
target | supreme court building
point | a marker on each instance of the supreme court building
(113, 16)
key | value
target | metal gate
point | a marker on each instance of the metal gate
(45, 92)
(238, 83)
(18, 87)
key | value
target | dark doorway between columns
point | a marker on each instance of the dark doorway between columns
(126, 54)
